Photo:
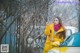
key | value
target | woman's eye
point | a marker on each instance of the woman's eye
(55, 20)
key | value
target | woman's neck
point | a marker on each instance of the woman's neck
(57, 27)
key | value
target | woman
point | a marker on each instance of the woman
(55, 33)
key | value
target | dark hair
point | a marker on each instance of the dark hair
(62, 34)
(60, 21)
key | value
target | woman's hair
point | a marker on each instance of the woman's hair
(63, 33)
(60, 21)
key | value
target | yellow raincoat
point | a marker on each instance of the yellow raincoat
(49, 32)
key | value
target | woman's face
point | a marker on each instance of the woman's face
(56, 21)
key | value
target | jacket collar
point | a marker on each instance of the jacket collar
(60, 30)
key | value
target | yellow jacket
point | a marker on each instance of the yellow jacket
(49, 32)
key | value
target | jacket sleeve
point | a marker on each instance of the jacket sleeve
(58, 39)
(47, 30)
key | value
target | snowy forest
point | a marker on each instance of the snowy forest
(22, 22)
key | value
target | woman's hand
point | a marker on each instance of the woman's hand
(51, 39)
(47, 23)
